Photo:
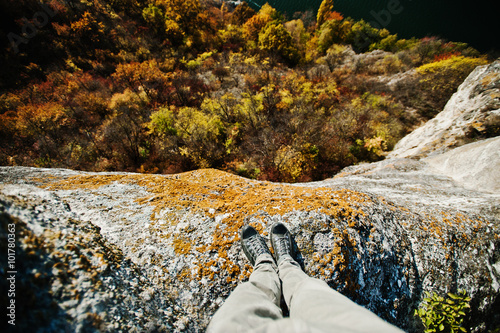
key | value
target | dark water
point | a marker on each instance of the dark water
(476, 23)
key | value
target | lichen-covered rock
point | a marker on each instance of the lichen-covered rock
(69, 278)
(473, 111)
(161, 252)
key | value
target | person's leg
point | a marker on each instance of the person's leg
(252, 304)
(255, 303)
(313, 301)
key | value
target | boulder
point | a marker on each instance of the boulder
(135, 252)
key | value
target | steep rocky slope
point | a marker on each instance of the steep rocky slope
(133, 252)
(473, 111)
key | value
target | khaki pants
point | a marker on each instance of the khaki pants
(254, 306)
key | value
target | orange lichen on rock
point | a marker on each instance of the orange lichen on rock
(215, 193)
(181, 245)
(337, 259)
(212, 192)
(184, 274)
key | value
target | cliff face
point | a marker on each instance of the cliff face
(134, 252)
(473, 111)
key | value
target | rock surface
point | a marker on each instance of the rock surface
(129, 252)
(473, 110)
(475, 166)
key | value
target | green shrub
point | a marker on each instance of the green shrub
(443, 315)
(387, 43)
(333, 32)
(388, 65)
(162, 122)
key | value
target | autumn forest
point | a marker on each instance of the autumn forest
(164, 86)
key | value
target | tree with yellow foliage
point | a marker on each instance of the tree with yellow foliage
(259, 21)
(242, 13)
(183, 12)
(174, 18)
(324, 11)
(254, 25)
(276, 40)
(88, 28)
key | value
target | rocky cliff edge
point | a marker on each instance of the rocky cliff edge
(115, 251)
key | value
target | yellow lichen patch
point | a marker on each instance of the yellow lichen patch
(213, 192)
(207, 269)
(181, 245)
(82, 181)
(245, 274)
(184, 274)
(202, 248)
(259, 227)
(489, 79)
(232, 270)
(338, 260)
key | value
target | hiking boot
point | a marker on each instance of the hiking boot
(281, 241)
(253, 244)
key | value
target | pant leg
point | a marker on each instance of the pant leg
(252, 304)
(313, 301)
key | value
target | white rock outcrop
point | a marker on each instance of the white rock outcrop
(476, 104)
(476, 166)
(133, 252)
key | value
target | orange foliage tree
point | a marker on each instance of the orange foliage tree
(254, 25)
(145, 75)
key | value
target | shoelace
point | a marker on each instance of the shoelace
(282, 246)
(256, 246)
